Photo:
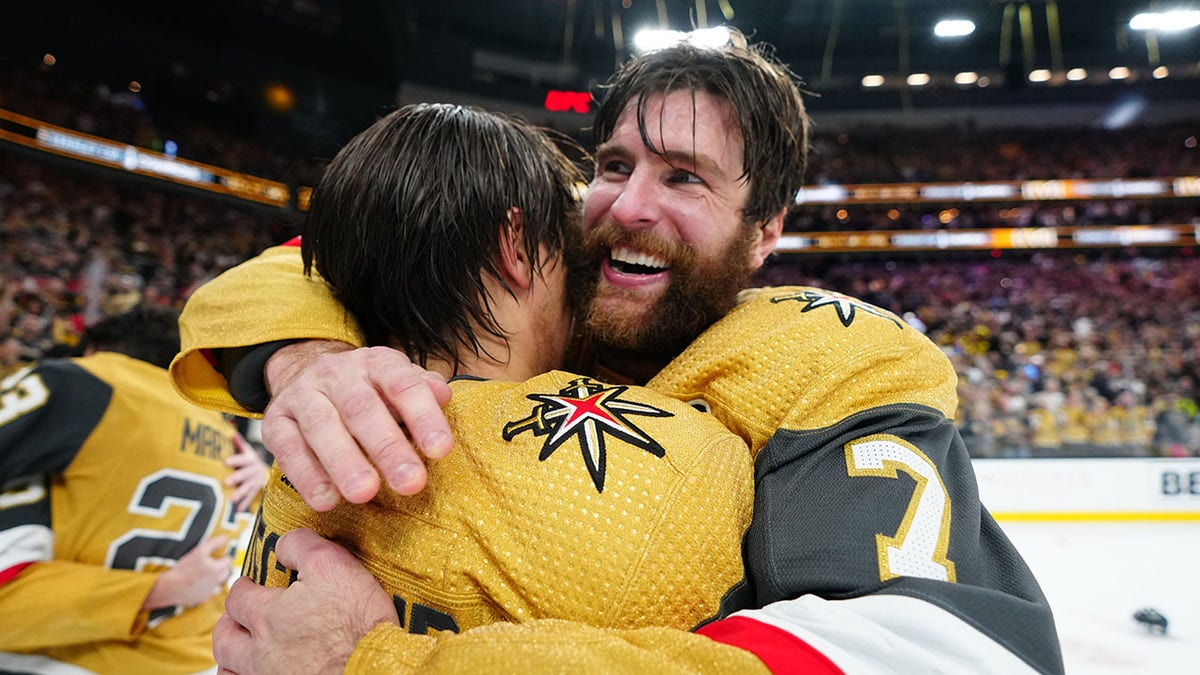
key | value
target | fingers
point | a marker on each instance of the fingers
(243, 460)
(303, 549)
(231, 646)
(247, 603)
(248, 478)
(333, 425)
(215, 546)
(303, 420)
(418, 396)
(244, 494)
(240, 445)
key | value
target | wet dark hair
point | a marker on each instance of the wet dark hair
(763, 93)
(408, 217)
(147, 332)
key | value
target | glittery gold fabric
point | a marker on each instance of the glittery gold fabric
(521, 529)
(548, 646)
(803, 358)
(264, 299)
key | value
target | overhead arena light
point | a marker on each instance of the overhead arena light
(1161, 72)
(1172, 21)
(966, 77)
(872, 81)
(650, 39)
(1076, 74)
(1039, 75)
(1118, 73)
(950, 28)
(918, 79)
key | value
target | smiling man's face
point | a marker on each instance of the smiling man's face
(665, 246)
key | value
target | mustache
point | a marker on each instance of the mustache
(605, 236)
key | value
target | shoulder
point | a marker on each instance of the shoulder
(808, 356)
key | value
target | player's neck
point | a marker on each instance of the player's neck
(517, 360)
(530, 346)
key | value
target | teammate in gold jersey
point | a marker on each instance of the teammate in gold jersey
(868, 551)
(119, 510)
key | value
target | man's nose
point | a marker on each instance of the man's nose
(637, 206)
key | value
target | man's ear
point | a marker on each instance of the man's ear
(767, 237)
(515, 264)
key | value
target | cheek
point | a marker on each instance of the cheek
(703, 228)
(599, 200)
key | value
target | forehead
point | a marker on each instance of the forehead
(682, 122)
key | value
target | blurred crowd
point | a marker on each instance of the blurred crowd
(75, 247)
(1060, 354)
(1057, 354)
(932, 216)
(882, 154)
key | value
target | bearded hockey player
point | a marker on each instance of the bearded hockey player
(869, 550)
(567, 498)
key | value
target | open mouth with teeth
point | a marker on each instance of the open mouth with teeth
(629, 261)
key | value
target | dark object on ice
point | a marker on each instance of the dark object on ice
(1152, 619)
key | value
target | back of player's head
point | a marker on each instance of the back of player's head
(147, 332)
(408, 217)
(762, 92)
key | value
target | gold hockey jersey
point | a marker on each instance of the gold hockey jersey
(242, 307)
(864, 491)
(108, 479)
(564, 498)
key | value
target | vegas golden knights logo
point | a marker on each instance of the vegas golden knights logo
(588, 411)
(847, 307)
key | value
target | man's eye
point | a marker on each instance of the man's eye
(615, 166)
(681, 176)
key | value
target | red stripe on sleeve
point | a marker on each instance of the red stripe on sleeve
(778, 649)
(294, 241)
(7, 575)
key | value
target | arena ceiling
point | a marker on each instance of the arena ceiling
(518, 50)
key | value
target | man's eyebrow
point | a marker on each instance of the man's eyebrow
(610, 148)
(698, 160)
(676, 158)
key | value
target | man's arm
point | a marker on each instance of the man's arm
(267, 299)
(336, 617)
(47, 413)
(55, 603)
(866, 503)
(331, 426)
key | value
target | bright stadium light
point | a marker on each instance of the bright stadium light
(966, 77)
(712, 38)
(1039, 75)
(1172, 21)
(951, 28)
(650, 39)
(918, 79)
(1076, 74)
(872, 81)
(1161, 72)
(1118, 73)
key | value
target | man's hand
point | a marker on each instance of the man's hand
(249, 475)
(195, 577)
(309, 627)
(336, 412)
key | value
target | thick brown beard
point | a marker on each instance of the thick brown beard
(702, 290)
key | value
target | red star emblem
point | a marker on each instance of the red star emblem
(589, 411)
